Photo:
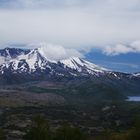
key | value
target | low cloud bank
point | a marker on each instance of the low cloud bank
(56, 52)
(133, 47)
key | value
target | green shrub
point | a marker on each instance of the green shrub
(39, 130)
(2, 136)
(66, 132)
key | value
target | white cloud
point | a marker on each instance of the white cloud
(118, 49)
(55, 52)
(71, 27)
(134, 47)
(78, 24)
(110, 4)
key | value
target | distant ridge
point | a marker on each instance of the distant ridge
(32, 64)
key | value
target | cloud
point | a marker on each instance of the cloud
(55, 52)
(109, 4)
(74, 24)
(116, 50)
(134, 47)
(36, 4)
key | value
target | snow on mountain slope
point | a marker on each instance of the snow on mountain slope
(136, 74)
(2, 60)
(28, 65)
(80, 64)
(33, 59)
(4, 56)
(36, 60)
(10, 53)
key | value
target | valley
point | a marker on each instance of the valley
(74, 91)
(59, 103)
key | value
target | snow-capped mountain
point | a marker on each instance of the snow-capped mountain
(35, 61)
(29, 65)
(18, 66)
(136, 74)
(10, 53)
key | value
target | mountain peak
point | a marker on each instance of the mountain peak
(81, 65)
(37, 61)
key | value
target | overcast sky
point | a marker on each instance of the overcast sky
(112, 26)
(72, 23)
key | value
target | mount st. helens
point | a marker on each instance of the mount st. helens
(75, 75)
(71, 90)
(23, 65)
(35, 61)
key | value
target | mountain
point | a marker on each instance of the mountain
(23, 65)
(81, 80)
(136, 74)
(35, 61)
(10, 53)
